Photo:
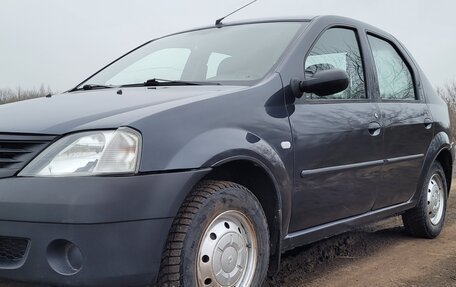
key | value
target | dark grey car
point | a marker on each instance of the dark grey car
(200, 157)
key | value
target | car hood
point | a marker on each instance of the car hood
(99, 109)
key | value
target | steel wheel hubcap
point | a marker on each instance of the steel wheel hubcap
(227, 252)
(435, 199)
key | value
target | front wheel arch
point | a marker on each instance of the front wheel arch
(207, 201)
(255, 176)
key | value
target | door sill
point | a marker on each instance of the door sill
(327, 230)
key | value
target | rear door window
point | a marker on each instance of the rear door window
(395, 80)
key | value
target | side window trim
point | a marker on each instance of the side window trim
(405, 58)
(369, 97)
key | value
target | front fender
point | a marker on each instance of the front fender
(215, 147)
(247, 124)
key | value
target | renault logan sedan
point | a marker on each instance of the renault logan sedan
(199, 158)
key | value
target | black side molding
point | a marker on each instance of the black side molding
(305, 173)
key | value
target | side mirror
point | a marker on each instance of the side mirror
(322, 83)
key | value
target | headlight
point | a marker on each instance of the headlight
(89, 153)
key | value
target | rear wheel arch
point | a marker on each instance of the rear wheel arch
(445, 158)
(439, 150)
(427, 218)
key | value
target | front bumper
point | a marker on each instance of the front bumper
(119, 225)
(117, 254)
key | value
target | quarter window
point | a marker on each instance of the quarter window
(338, 48)
(394, 78)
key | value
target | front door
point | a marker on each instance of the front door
(337, 139)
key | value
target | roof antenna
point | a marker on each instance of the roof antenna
(219, 21)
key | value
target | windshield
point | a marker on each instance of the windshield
(239, 53)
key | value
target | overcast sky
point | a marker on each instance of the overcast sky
(59, 43)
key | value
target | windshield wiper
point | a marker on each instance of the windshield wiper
(92, 87)
(162, 82)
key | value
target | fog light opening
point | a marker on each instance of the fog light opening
(64, 257)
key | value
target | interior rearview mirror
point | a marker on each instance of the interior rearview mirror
(322, 83)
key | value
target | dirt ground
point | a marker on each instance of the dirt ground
(377, 255)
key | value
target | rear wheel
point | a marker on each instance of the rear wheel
(427, 218)
(219, 238)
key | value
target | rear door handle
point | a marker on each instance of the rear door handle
(374, 129)
(427, 123)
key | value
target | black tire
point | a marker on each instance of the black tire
(417, 221)
(207, 201)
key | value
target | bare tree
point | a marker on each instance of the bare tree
(448, 94)
(20, 94)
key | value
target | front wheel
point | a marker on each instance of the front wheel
(427, 218)
(220, 237)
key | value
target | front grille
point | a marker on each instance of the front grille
(13, 251)
(16, 150)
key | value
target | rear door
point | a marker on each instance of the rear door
(337, 139)
(406, 120)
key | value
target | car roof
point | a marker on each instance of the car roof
(253, 21)
(327, 18)
(337, 20)
(271, 19)
(334, 19)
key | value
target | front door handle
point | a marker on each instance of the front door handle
(374, 129)
(427, 123)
